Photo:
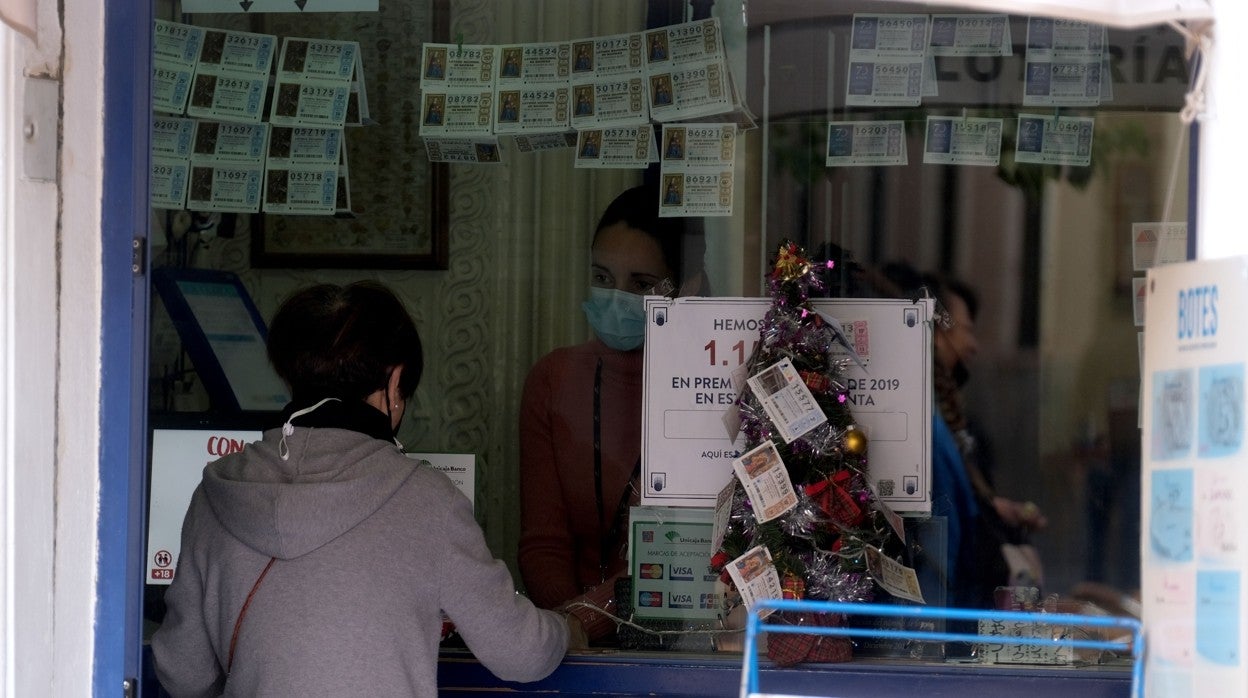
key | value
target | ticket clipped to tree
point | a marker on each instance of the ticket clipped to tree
(766, 481)
(787, 400)
(866, 143)
(756, 578)
(962, 141)
(1050, 140)
(894, 577)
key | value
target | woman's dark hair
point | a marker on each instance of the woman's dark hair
(343, 341)
(678, 238)
(908, 282)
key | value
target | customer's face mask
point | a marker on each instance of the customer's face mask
(618, 317)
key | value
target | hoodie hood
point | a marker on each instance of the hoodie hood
(332, 480)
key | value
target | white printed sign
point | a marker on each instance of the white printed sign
(693, 347)
(178, 460)
(461, 468)
(1193, 531)
(670, 560)
(1155, 244)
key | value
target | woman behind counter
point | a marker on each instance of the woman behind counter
(580, 416)
(319, 560)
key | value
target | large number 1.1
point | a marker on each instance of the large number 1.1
(739, 347)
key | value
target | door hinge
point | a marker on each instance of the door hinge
(40, 109)
(128, 686)
(138, 256)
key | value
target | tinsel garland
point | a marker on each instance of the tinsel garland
(819, 544)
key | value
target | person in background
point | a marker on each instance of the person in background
(581, 411)
(1001, 553)
(980, 523)
(320, 560)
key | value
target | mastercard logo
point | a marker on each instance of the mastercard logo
(650, 599)
(650, 570)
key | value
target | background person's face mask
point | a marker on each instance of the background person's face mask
(618, 317)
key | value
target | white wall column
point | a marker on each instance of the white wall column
(1224, 138)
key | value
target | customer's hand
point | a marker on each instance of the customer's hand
(1020, 514)
(577, 639)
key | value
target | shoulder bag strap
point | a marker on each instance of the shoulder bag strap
(238, 622)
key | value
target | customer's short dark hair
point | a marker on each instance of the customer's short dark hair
(343, 341)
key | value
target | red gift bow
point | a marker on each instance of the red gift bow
(835, 500)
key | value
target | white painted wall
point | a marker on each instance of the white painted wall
(1224, 141)
(78, 342)
(49, 353)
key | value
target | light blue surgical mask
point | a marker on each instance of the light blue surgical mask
(618, 317)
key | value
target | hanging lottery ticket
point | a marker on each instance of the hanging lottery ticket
(756, 578)
(171, 151)
(698, 163)
(613, 101)
(1065, 63)
(786, 400)
(866, 143)
(532, 93)
(175, 51)
(1050, 140)
(887, 60)
(457, 114)
(449, 66)
(539, 142)
(766, 481)
(483, 150)
(234, 188)
(970, 35)
(624, 147)
(224, 142)
(526, 64)
(962, 141)
(232, 76)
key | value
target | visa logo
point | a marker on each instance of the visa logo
(682, 601)
(682, 573)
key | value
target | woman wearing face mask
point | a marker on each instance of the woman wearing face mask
(320, 560)
(580, 418)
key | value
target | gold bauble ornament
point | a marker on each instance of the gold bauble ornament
(855, 441)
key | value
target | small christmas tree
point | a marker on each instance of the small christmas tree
(818, 546)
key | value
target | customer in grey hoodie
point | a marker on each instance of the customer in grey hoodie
(319, 560)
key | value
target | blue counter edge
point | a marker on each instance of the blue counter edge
(685, 675)
(460, 674)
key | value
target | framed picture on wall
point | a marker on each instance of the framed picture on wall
(396, 214)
